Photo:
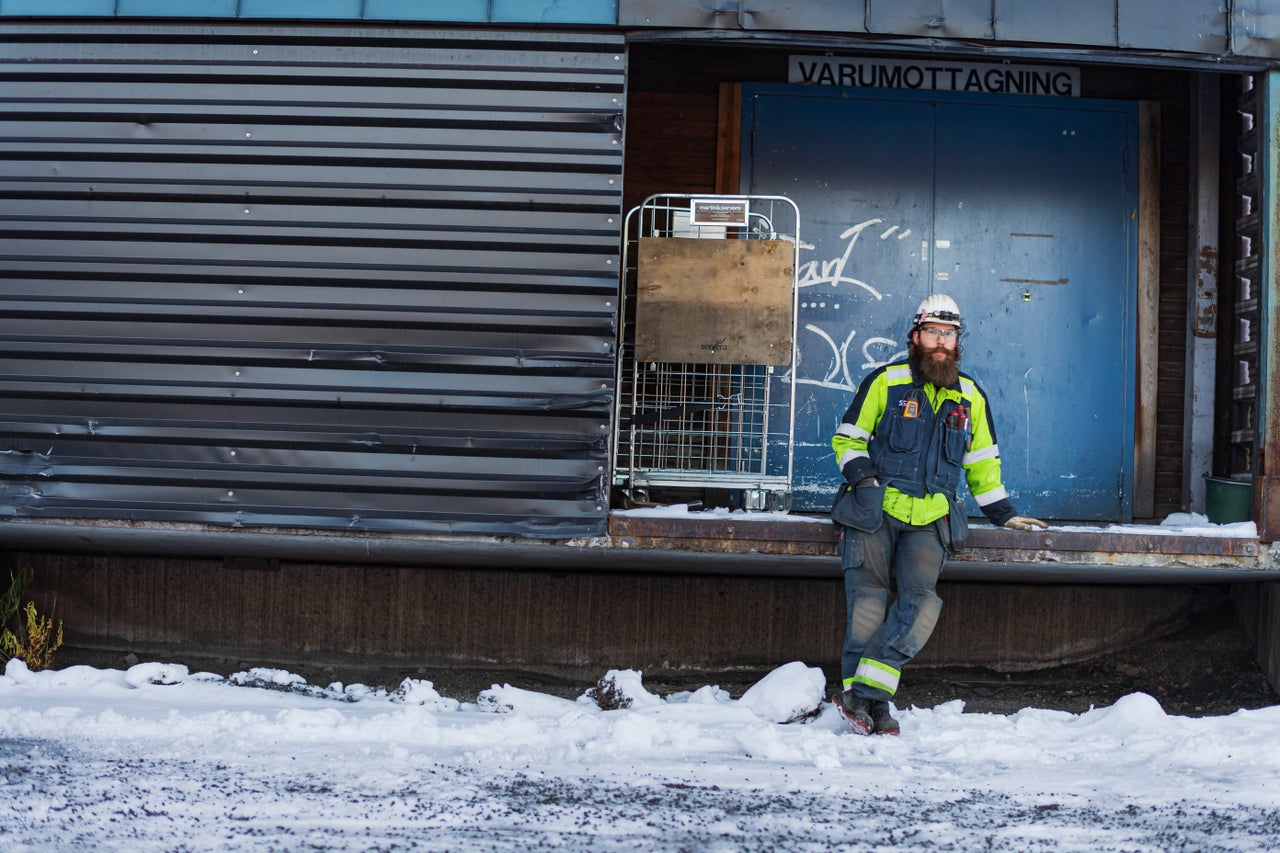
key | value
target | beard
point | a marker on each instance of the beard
(942, 372)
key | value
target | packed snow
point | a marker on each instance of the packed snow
(156, 758)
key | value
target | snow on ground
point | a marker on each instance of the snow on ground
(159, 759)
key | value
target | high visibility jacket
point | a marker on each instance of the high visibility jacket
(919, 440)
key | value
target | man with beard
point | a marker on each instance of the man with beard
(913, 429)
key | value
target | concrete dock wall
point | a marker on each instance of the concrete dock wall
(574, 623)
(1258, 609)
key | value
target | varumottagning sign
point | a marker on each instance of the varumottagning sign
(888, 73)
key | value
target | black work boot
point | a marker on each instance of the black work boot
(882, 722)
(855, 710)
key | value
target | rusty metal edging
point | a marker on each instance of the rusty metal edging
(713, 547)
(817, 536)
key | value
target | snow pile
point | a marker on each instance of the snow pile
(622, 689)
(787, 695)
(156, 758)
(414, 691)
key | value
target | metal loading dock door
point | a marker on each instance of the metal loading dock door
(1025, 210)
(708, 347)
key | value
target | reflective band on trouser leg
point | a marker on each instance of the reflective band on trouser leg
(878, 675)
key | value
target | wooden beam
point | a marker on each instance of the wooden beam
(729, 139)
(1148, 331)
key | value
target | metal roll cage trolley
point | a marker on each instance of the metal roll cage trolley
(707, 349)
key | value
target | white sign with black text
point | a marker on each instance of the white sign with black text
(894, 73)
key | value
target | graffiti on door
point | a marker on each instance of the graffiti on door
(836, 275)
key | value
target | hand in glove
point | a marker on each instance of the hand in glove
(1023, 522)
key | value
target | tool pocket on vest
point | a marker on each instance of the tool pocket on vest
(899, 445)
(953, 441)
(905, 434)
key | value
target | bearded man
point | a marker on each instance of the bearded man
(913, 429)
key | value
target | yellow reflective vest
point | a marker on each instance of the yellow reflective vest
(918, 440)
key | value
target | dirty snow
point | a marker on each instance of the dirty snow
(156, 758)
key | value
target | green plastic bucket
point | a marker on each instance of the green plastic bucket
(1226, 500)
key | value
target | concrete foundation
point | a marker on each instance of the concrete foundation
(575, 624)
(1258, 609)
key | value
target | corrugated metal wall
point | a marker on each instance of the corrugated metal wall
(308, 277)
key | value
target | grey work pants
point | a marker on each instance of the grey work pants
(881, 635)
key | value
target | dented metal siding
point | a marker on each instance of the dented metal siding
(308, 277)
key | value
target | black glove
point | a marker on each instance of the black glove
(858, 470)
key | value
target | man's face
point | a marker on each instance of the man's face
(937, 341)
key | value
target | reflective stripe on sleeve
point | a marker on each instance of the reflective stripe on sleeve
(850, 455)
(988, 452)
(881, 676)
(996, 494)
(852, 431)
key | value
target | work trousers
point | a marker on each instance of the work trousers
(883, 633)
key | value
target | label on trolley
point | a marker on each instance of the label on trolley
(718, 211)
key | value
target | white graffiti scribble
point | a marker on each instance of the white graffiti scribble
(838, 376)
(875, 351)
(832, 272)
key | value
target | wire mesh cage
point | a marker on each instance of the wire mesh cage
(707, 345)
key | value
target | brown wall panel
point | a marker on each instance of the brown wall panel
(574, 624)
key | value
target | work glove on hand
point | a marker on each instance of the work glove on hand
(1023, 522)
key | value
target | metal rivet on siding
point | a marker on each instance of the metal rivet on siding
(233, 453)
(247, 135)
(255, 51)
(611, 182)
(237, 373)
(231, 494)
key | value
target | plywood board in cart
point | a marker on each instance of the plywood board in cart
(714, 301)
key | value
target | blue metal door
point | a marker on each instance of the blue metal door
(1020, 208)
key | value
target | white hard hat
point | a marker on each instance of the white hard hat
(937, 308)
